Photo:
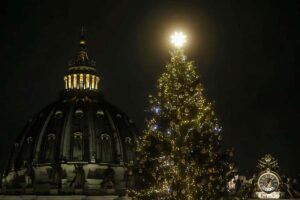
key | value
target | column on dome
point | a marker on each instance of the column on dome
(97, 82)
(66, 82)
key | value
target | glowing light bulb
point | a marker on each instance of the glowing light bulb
(178, 39)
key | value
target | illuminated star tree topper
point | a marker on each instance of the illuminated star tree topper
(178, 39)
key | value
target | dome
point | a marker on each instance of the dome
(80, 144)
(76, 130)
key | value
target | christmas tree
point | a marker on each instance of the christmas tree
(179, 154)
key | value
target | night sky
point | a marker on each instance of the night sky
(246, 53)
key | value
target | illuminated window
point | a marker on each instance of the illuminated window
(75, 81)
(81, 81)
(87, 81)
(69, 82)
(93, 82)
(84, 81)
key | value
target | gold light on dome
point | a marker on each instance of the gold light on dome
(81, 81)
(75, 81)
(178, 39)
(93, 82)
(87, 81)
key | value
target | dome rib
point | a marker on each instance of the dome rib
(40, 137)
(65, 136)
(91, 131)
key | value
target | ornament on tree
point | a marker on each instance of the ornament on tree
(204, 151)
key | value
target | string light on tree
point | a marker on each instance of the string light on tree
(178, 39)
(156, 109)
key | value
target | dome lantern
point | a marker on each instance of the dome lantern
(82, 74)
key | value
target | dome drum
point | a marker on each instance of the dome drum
(67, 179)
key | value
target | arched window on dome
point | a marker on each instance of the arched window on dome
(129, 149)
(27, 149)
(104, 148)
(77, 153)
(50, 147)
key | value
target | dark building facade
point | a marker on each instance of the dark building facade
(79, 145)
